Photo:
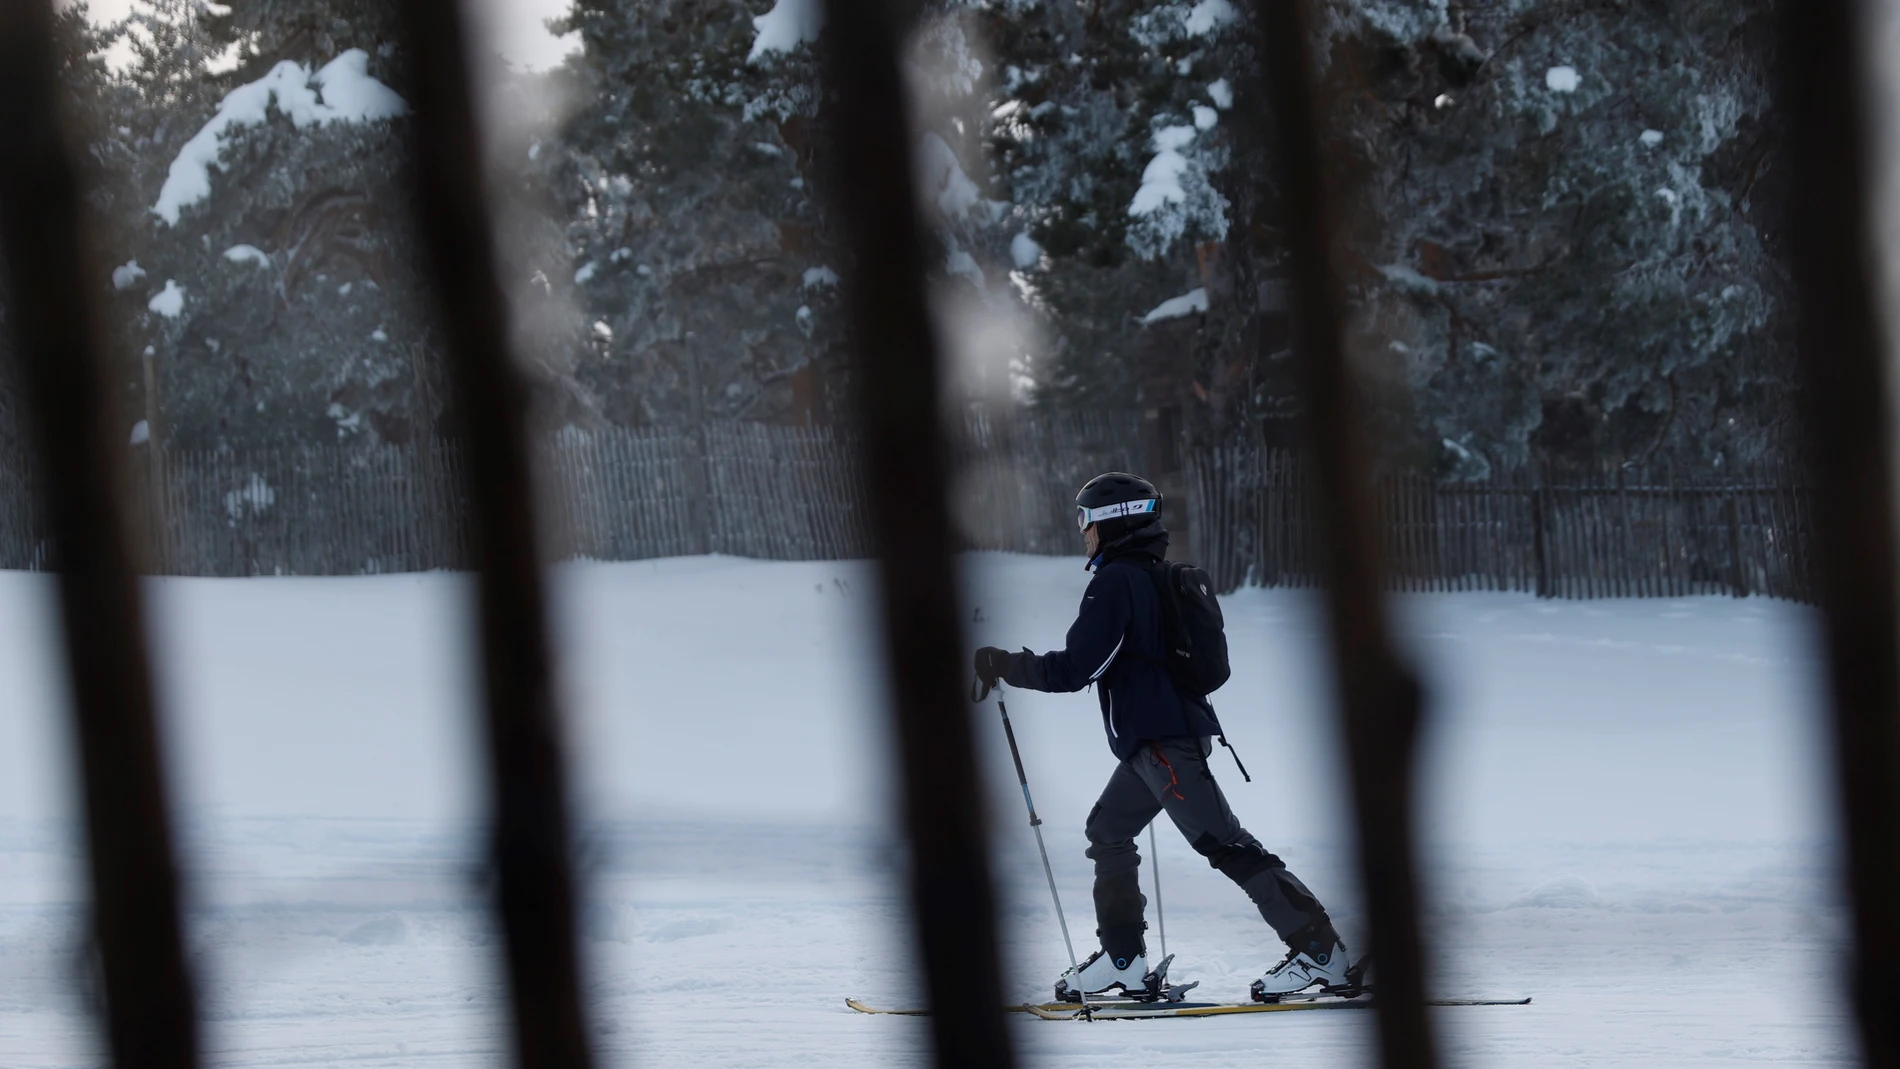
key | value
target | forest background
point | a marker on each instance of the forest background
(1562, 221)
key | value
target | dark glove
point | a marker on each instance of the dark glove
(991, 663)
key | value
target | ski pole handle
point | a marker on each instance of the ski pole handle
(979, 690)
(1017, 756)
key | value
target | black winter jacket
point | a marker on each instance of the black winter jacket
(1115, 643)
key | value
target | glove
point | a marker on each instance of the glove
(991, 663)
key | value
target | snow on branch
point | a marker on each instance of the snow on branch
(1161, 181)
(1175, 196)
(342, 91)
(789, 24)
(1189, 303)
(170, 301)
(247, 254)
(942, 179)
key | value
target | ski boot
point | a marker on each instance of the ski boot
(1317, 958)
(1099, 974)
(1136, 982)
(1121, 966)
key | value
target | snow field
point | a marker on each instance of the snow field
(1622, 816)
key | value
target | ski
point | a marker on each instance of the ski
(1049, 1007)
(1145, 1011)
(1130, 1009)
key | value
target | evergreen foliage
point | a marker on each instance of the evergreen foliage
(1561, 220)
(1088, 99)
(1568, 248)
(295, 311)
(685, 179)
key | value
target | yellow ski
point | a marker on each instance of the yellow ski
(1130, 1010)
(1144, 1011)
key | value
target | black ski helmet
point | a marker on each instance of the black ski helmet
(1117, 503)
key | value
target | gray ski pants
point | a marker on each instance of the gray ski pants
(1172, 775)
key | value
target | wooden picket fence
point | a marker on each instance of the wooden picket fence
(751, 490)
(1620, 534)
(798, 494)
(1016, 490)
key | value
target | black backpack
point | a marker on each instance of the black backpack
(1192, 632)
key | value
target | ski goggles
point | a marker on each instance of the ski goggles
(1085, 515)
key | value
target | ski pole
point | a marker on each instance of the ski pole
(1035, 825)
(1154, 858)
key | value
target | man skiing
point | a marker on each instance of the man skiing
(1162, 737)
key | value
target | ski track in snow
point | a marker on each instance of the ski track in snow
(1623, 818)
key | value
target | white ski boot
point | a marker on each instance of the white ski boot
(1319, 961)
(1137, 982)
(1099, 972)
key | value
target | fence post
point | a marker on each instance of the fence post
(1540, 552)
(1738, 572)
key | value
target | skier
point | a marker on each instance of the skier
(1163, 738)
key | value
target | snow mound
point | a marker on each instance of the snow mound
(789, 24)
(1567, 892)
(1205, 117)
(1221, 94)
(126, 275)
(387, 930)
(342, 91)
(141, 433)
(1188, 303)
(691, 926)
(820, 276)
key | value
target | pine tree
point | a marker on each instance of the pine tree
(281, 304)
(1565, 219)
(701, 259)
(1108, 136)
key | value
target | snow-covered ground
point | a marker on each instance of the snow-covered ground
(1625, 819)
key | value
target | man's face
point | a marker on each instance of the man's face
(1091, 539)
